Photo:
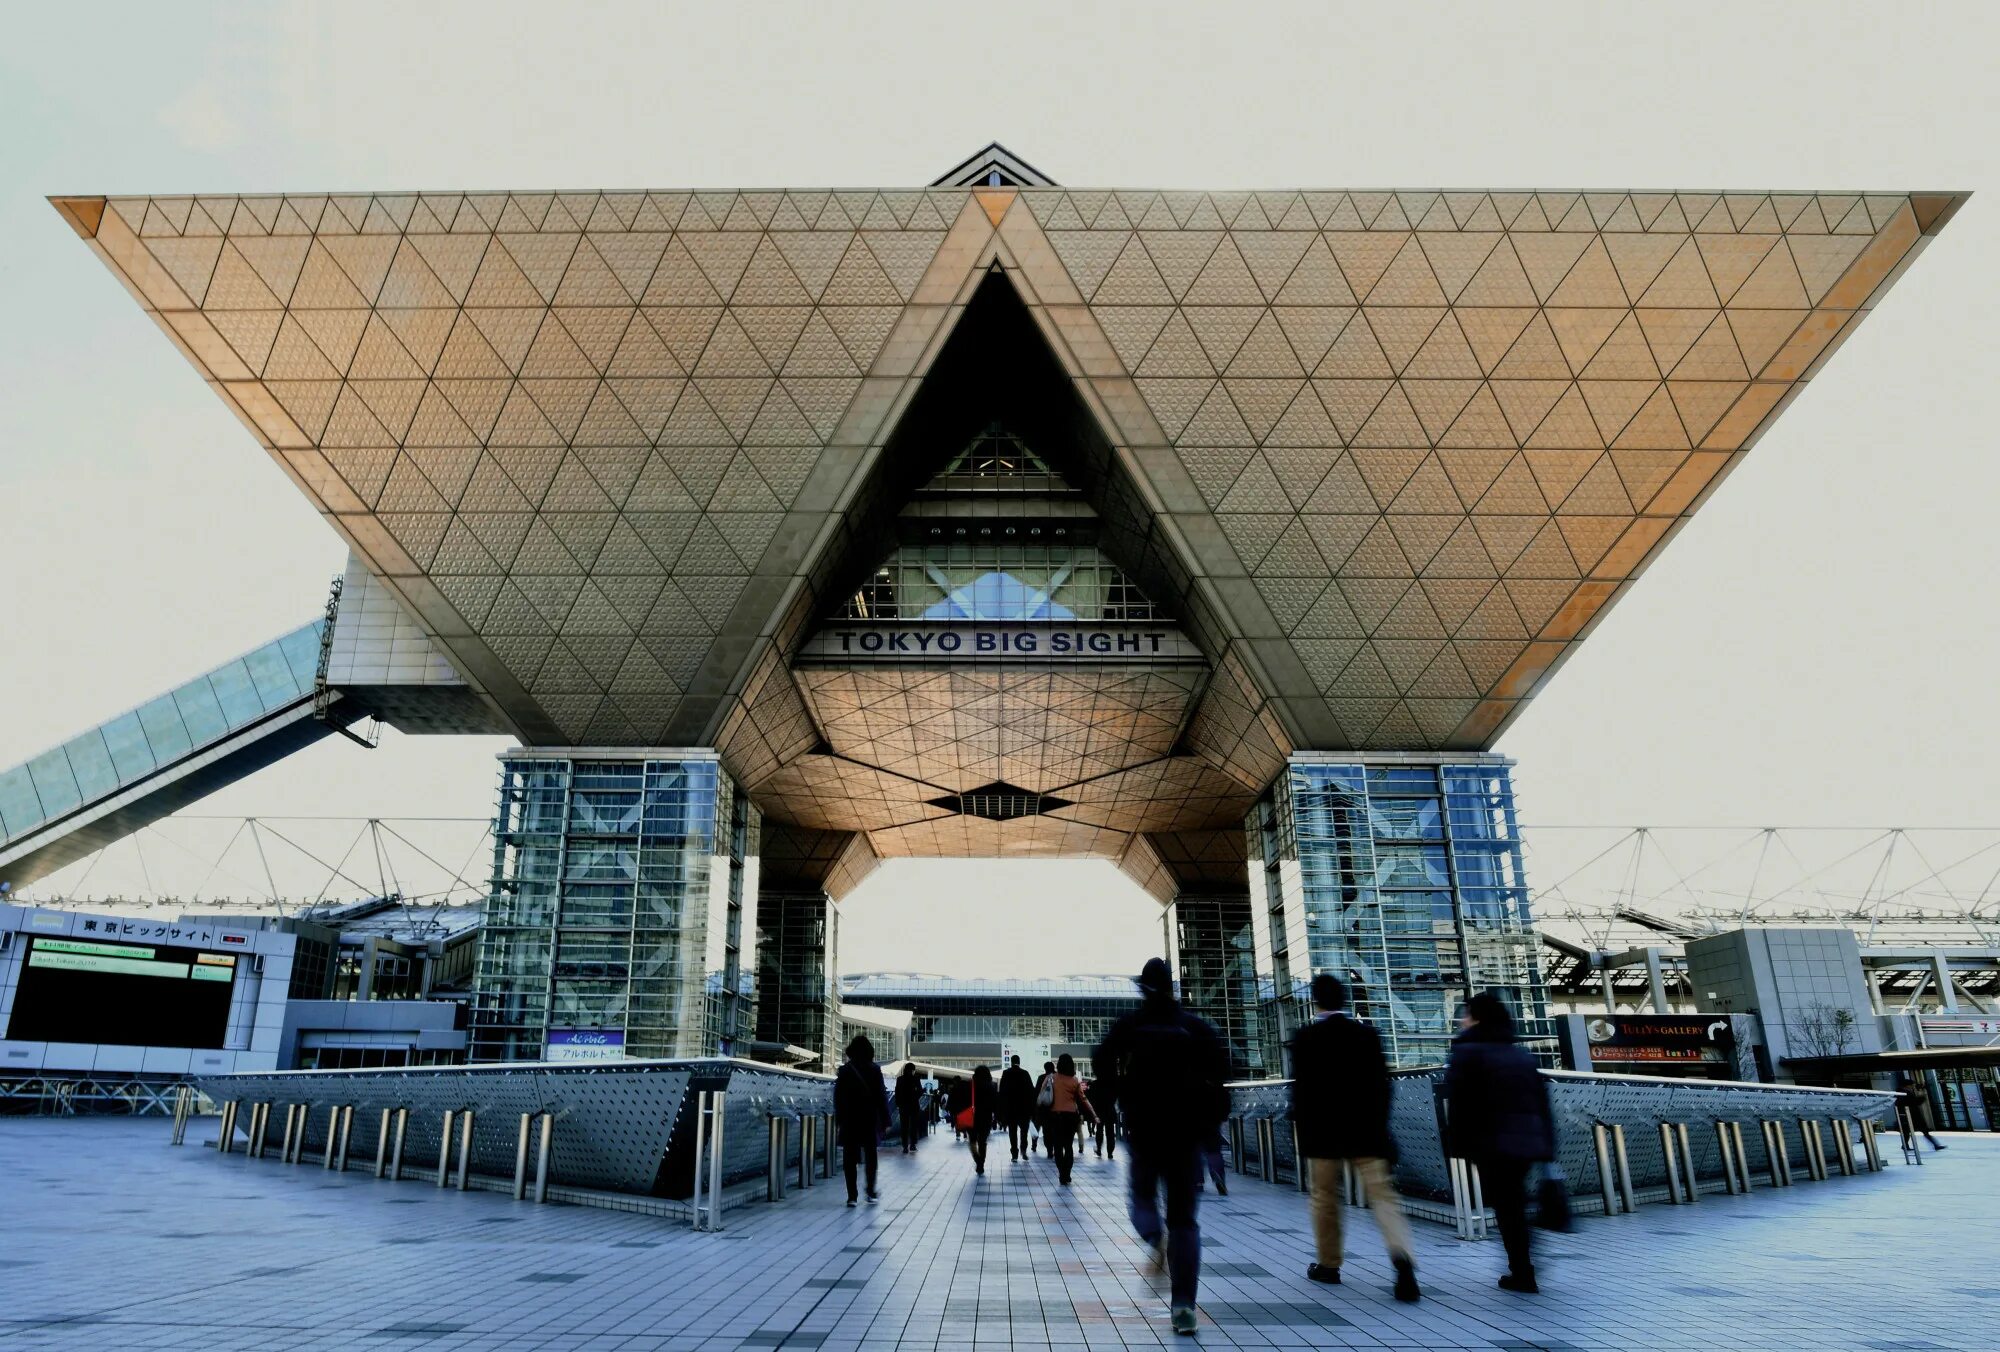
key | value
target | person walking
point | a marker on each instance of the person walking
(1068, 1107)
(909, 1106)
(860, 1113)
(1039, 1114)
(1102, 1093)
(955, 1101)
(1017, 1100)
(1916, 1115)
(1170, 1069)
(1497, 1116)
(982, 1104)
(1340, 1107)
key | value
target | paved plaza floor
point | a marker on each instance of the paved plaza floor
(110, 1238)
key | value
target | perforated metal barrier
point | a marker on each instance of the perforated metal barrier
(1620, 1139)
(625, 1127)
(637, 1129)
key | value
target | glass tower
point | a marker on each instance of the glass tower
(798, 986)
(1401, 875)
(1212, 952)
(617, 922)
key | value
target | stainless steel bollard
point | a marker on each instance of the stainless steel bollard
(1236, 1153)
(1267, 1150)
(464, 1149)
(774, 1159)
(228, 1127)
(299, 1145)
(1815, 1149)
(521, 1158)
(1624, 1163)
(1843, 1146)
(1606, 1182)
(805, 1152)
(396, 1151)
(1742, 1158)
(1871, 1147)
(382, 1145)
(542, 1158)
(1728, 1158)
(708, 1156)
(332, 1136)
(346, 1135)
(1673, 1168)
(1687, 1162)
(183, 1105)
(444, 1148)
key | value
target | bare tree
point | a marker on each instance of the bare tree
(1821, 1029)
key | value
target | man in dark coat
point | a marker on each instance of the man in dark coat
(860, 1113)
(1497, 1116)
(1017, 1101)
(1340, 1102)
(1171, 1069)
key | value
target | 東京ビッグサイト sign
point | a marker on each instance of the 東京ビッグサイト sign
(985, 641)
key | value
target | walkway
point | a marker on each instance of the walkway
(113, 1239)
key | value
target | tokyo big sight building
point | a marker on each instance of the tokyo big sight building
(1219, 534)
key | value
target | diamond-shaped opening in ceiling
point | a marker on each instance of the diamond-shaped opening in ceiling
(1000, 802)
(996, 368)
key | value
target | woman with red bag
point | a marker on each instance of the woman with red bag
(976, 1118)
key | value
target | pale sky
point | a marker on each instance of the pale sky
(1817, 647)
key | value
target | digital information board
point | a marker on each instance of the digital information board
(136, 995)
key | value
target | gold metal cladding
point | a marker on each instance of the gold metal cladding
(1406, 446)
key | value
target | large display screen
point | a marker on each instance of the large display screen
(140, 995)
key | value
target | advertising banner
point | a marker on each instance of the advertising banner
(1659, 1037)
(586, 1044)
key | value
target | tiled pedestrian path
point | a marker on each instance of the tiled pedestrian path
(111, 1239)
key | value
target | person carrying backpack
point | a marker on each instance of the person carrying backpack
(1171, 1069)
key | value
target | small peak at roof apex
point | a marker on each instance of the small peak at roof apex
(993, 166)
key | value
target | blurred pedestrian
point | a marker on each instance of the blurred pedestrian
(1340, 1107)
(981, 1105)
(1017, 1101)
(909, 1106)
(1067, 1109)
(1916, 1115)
(1102, 1091)
(1498, 1117)
(1170, 1069)
(860, 1113)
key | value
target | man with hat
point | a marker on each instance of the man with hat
(1170, 1067)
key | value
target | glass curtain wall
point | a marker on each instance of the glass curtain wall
(616, 920)
(798, 986)
(1403, 878)
(1210, 947)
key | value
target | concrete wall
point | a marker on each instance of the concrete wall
(1780, 974)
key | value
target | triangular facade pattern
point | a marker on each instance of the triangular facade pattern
(1409, 445)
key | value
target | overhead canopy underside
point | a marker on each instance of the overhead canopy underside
(1385, 457)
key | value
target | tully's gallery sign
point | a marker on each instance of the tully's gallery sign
(1094, 644)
